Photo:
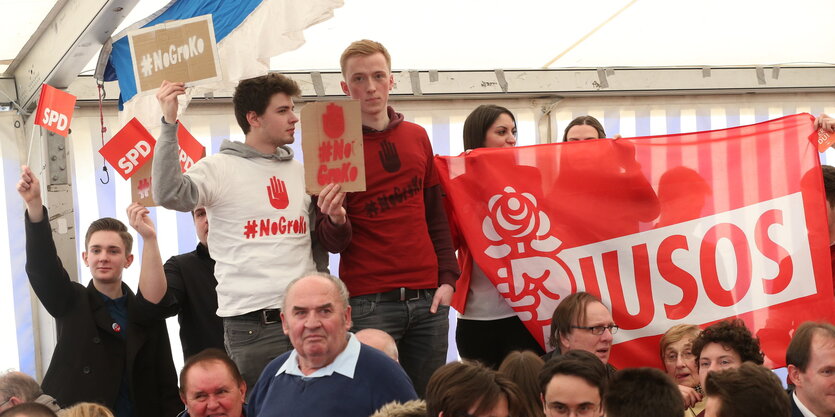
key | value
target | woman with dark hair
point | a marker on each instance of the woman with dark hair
(471, 389)
(725, 345)
(523, 369)
(583, 128)
(489, 126)
(488, 328)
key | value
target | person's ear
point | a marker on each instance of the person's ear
(284, 326)
(348, 322)
(563, 343)
(345, 90)
(253, 119)
(794, 375)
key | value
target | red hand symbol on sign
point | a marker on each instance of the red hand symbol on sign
(144, 187)
(277, 192)
(333, 121)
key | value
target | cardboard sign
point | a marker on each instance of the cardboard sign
(129, 149)
(191, 150)
(179, 51)
(140, 186)
(332, 145)
(55, 108)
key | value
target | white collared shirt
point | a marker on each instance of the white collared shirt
(345, 363)
(803, 410)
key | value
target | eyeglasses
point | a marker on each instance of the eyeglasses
(672, 357)
(4, 402)
(598, 330)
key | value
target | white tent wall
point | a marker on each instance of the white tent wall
(212, 122)
(17, 349)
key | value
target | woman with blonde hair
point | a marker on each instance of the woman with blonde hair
(680, 364)
(87, 410)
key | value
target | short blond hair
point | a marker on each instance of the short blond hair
(88, 410)
(363, 47)
(677, 333)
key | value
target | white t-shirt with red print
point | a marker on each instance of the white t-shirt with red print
(259, 219)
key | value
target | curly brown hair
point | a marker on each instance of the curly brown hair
(731, 334)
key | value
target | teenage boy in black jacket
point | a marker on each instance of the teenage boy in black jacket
(112, 345)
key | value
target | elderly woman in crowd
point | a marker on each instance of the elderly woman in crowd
(680, 364)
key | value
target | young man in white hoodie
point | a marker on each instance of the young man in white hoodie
(261, 217)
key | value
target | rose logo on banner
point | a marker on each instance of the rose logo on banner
(129, 149)
(522, 234)
(55, 108)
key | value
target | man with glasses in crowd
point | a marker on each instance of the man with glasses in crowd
(582, 322)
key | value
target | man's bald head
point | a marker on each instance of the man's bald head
(17, 388)
(379, 340)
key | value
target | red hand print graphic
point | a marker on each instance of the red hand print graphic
(333, 121)
(144, 187)
(277, 192)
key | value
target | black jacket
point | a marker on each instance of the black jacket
(90, 356)
(795, 410)
(192, 283)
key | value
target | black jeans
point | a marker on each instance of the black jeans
(489, 341)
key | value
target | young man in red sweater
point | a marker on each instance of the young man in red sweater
(396, 252)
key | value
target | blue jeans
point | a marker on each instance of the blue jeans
(252, 345)
(422, 337)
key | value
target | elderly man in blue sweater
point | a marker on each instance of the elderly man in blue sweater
(328, 373)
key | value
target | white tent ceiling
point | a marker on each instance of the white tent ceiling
(458, 34)
(488, 34)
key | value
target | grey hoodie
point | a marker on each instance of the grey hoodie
(179, 192)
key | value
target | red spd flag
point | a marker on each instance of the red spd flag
(690, 228)
(129, 149)
(55, 108)
(191, 150)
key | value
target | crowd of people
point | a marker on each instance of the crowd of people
(266, 330)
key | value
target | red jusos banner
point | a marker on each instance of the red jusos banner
(690, 228)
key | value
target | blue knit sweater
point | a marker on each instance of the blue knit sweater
(377, 381)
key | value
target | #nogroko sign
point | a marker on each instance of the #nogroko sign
(180, 51)
(332, 145)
